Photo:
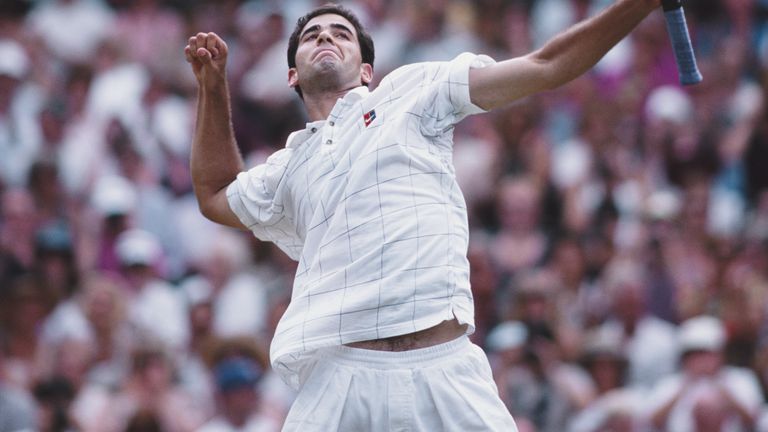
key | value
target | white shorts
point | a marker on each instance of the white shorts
(447, 387)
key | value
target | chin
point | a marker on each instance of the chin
(327, 62)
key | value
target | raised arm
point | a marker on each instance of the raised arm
(215, 160)
(560, 60)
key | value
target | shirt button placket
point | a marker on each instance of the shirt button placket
(328, 132)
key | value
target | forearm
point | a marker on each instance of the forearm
(215, 159)
(579, 48)
(560, 60)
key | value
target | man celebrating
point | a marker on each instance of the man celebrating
(366, 200)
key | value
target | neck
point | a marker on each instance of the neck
(320, 104)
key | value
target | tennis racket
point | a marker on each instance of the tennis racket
(681, 42)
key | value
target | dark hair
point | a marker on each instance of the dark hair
(57, 394)
(363, 38)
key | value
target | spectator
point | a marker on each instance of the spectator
(54, 396)
(484, 282)
(544, 389)
(193, 372)
(19, 223)
(17, 411)
(239, 293)
(149, 388)
(107, 347)
(521, 242)
(102, 302)
(114, 201)
(19, 140)
(47, 192)
(156, 32)
(617, 406)
(154, 307)
(682, 401)
(25, 304)
(271, 400)
(506, 345)
(236, 382)
(71, 29)
(56, 264)
(649, 342)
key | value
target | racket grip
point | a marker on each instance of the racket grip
(681, 44)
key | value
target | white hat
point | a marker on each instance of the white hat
(605, 341)
(197, 290)
(138, 247)
(701, 333)
(507, 335)
(663, 204)
(14, 61)
(669, 103)
(113, 195)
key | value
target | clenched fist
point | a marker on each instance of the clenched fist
(207, 53)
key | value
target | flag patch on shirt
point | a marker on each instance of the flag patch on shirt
(369, 117)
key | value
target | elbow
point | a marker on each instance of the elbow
(206, 203)
(206, 208)
(549, 73)
(554, 72)
(215, 207)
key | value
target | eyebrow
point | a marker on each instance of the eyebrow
(317, 27)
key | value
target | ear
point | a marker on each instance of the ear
(366, 73)
(293, 78)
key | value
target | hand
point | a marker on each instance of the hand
(207, 53)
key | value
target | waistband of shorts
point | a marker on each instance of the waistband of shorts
(398, 359)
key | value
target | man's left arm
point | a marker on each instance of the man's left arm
(560, 60)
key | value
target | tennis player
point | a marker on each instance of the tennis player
(365, 199)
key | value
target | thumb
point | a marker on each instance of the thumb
(204, 55)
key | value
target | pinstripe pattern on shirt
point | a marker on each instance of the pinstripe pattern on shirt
(372, 213)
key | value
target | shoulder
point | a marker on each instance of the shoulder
(409, 72)
(741, 375)
(425, 73)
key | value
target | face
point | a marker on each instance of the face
(518, 205)
(328, 57)
(240, 401)
(702, 363)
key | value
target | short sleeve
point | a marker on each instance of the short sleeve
(449, 100)
(255, 196)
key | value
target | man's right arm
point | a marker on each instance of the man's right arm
(215, 159)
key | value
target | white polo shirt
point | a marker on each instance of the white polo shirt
(367, 202)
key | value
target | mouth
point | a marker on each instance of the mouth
(324, 53)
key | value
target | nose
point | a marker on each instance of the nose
(324, 36)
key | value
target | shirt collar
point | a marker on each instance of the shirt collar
(356, 94)
(296, 138)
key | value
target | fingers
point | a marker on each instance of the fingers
(205, 47)
(188, 54)
(212, 44)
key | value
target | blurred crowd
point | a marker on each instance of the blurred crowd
(619, 246)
